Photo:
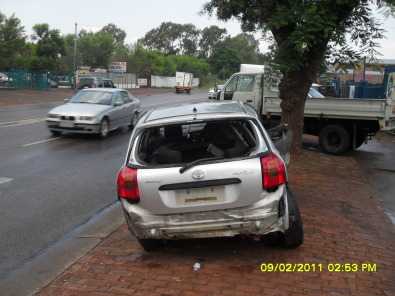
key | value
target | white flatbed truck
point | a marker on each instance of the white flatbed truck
(342, 124)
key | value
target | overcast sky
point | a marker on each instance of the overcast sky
(135, 17)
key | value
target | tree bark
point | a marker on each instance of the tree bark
(294, 88)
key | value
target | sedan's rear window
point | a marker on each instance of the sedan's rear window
(187, 142)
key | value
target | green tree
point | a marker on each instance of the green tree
(304, 33)
(49, 49)
(210, 37)
(67, 60)
(117, 34)
(144, 62)
(12, 41)
(230, 53)
(96, 49)
(172, 38)
(198, 67)
(225, 61)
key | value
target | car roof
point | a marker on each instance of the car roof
(103, 89)
(202, 110)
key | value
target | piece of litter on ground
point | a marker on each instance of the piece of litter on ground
(196, 266)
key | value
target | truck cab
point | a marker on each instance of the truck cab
(244, 87)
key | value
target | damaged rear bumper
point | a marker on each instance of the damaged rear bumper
(268, 215)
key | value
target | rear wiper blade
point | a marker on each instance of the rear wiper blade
(197, 162)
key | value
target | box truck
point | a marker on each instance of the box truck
(184, 82)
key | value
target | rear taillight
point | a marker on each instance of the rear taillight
(127, 185)
(273, 172)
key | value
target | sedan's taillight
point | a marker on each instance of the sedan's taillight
(127, 185)
(273, 172)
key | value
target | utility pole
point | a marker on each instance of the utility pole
(75, 57)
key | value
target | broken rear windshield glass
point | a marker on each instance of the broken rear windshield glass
(187, 142)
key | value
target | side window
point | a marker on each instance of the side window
(108, 83)
(117, 99)
(246, 83)
(125, 96)
(231, 86)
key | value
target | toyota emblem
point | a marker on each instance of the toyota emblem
(198, 174)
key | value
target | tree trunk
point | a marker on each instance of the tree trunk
(294, 88)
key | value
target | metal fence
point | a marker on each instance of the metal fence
(22, 79)
(120, 80)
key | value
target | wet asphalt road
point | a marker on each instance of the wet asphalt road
(377, 158)
(48, 186)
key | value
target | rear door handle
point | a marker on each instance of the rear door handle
(249, 101)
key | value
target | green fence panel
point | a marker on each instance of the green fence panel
(22, 79)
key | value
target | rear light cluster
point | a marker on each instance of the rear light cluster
(273, 172)
(127, 185)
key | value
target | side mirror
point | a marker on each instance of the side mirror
(117, 104)
(282, 139)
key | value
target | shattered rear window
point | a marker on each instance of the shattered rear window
(187, 142)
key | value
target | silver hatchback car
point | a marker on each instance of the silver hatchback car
(205, 170)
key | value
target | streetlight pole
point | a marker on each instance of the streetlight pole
(75, 57)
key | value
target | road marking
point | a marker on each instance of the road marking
(21, 122)
(41, 142)
(5, 180)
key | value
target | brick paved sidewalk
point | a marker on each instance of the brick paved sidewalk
(343, 223)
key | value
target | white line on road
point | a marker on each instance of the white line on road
(5, 180)
(41, 142)
(21, 122)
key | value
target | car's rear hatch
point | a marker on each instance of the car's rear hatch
(220, 185)
(179, 173)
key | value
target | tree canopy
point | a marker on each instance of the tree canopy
(49, 48)
(12, 41)
(172, 38)
(210, 37)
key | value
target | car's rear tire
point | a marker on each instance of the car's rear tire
(334, 139)
(294, 235)
(104, 128)
(150, 245)
(55, 133)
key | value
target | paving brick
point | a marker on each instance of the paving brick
(343, 221)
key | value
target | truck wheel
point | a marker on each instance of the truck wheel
(334, 139)
(294, 235)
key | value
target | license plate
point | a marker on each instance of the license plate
(200, 196)
(66, 123)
